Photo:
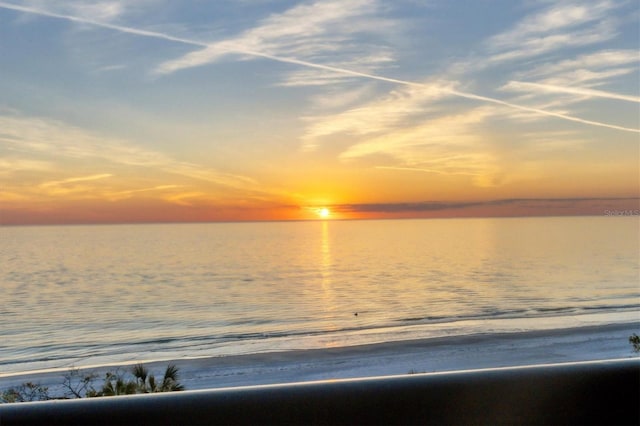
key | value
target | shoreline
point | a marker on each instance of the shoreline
(438, 354)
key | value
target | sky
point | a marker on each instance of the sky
(128, 111)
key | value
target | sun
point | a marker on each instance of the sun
(324, 213)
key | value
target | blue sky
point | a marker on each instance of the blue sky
(150, 110)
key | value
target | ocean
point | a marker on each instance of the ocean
(78, 296)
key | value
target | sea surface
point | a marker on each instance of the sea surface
(78, 296)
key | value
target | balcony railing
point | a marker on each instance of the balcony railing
(601, 392)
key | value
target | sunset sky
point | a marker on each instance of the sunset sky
(158, 111)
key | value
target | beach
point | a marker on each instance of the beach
(442, 354)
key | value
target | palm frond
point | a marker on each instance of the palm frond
(140, 372)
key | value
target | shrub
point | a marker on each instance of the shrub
(26, 392)
(634, 339)
(79, 385)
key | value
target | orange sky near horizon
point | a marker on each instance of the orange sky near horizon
(158, 212)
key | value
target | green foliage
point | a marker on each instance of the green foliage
(115, 384)
(119, 383)
(146, 383)
(634, 339)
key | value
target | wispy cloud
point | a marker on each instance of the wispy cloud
(449, 130)
(380, 115)
(339, 98)
(120, 195)
(77, 187)
(9, 165)
(311, 31)
(446, 144)
(101, 10)
(562, 25)
(184, 198)
(605, 63)
(560, 84)
(60, 140)
(438, 171)
(75, 180)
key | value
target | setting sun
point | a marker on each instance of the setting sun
(324, 213)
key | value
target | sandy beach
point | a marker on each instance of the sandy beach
(392, 358)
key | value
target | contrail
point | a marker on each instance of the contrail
(450, 91)
(542, 111)
(518, 85)
(300, 62)
(120, 28)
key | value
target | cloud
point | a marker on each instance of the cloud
(404, 142)
(434, 206)
(101, 10)
(335, 98)
(312, 31)
(448, 144)
(110, 68)
(562, 25)
(602, 61)
(9, 165)
(383, 114)
(182, 199)
(64, 187)
(120, 195)
(59, 140)
(75, 180)
(438, 171)
(577, 76)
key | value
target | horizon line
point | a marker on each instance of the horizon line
(343, 219)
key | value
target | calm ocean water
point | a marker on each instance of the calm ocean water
(92, 295)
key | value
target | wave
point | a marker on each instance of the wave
(488, 314)
(206, 340)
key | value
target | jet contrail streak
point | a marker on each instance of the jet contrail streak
(120, 28)
(338, 70)
(542, 111)
(519, 85)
